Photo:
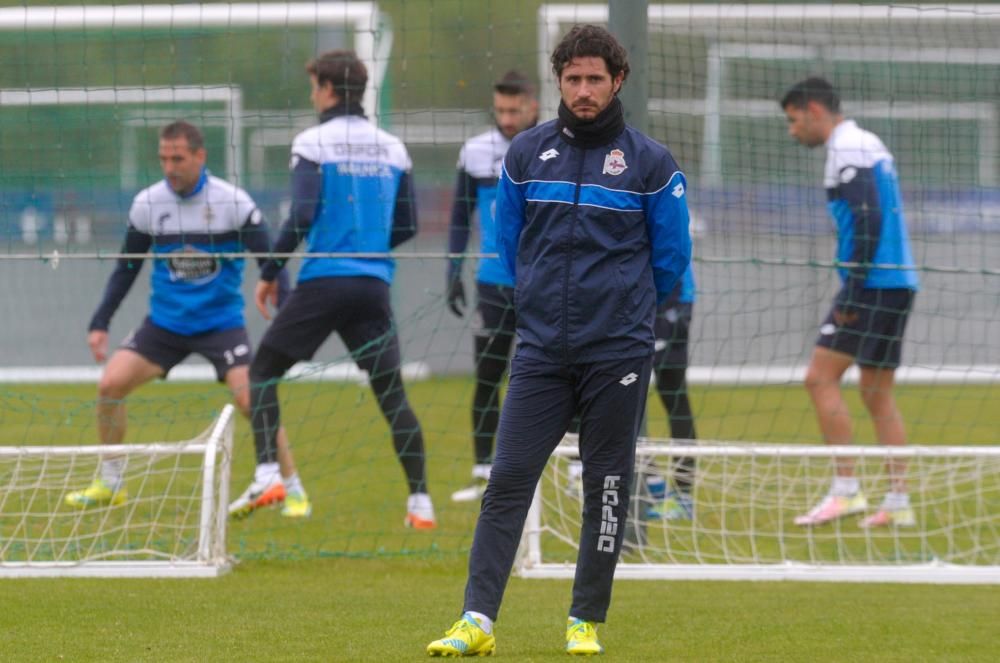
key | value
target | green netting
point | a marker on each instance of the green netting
(926, 83)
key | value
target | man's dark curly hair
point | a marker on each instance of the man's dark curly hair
(590, 41)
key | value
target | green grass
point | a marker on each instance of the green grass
(387, 610)
(352, 584)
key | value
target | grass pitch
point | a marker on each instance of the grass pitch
(352, 585)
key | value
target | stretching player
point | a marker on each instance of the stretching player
(196, 304)
(514, 109)
(351, 193)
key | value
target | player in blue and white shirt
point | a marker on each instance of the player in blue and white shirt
(868, 317)
(196, 305)
(352, 192)
(515, 109)
(672, 494)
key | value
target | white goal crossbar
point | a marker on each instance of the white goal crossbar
(362, 16)
(206, 557)
(721, 541)
(727, 26)
(230, 96)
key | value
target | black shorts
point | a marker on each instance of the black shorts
(494, 312)
(672, 329)
(875, 338)
(225, 349)
(356, 307)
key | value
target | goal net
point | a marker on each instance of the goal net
(85, 89)
(746, 497)
(172, 524)
(913, 74)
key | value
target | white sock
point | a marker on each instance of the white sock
(266, 473)
(896, 501)
(485, 622)
(111, 473)
(293, 485)
(417, 501)
(844, 486)
(481, 471)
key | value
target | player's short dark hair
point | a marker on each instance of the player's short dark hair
(343, 70)
(590, 41)
(514, 83)
(186, 130)
(814, 88)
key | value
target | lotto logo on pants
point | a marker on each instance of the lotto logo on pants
(609, 521)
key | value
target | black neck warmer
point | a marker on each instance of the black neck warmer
(608, 125)
(340, 110)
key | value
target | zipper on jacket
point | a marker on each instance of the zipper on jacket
(569, 248)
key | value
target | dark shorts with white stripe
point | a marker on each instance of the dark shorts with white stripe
(875, 336)
(225, 349)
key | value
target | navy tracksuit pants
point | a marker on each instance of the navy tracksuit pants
(541, 401)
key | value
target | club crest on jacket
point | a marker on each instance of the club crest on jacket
(614, 163)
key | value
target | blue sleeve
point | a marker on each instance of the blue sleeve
(461, 213)
(307, 186)
(861, 194)
(509, 220)
(669, 234)
(121, 280)
(404, 216)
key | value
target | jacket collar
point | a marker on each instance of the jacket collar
(608, 125)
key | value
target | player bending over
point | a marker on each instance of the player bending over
(196, 304)
(866, 322)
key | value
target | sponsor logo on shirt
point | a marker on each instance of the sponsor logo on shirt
(192, 265)
(363, 169)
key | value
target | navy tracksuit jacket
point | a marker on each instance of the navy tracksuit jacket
(593, 238)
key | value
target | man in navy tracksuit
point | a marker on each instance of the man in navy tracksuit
(592, 222)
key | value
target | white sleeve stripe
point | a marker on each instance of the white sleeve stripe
(596, 186)
(667, 183)
(568, 202)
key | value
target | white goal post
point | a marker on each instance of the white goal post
(371, 40)
(362, 16)
(733, 31)
(172, 524)
(746, 497)
(230, 96)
